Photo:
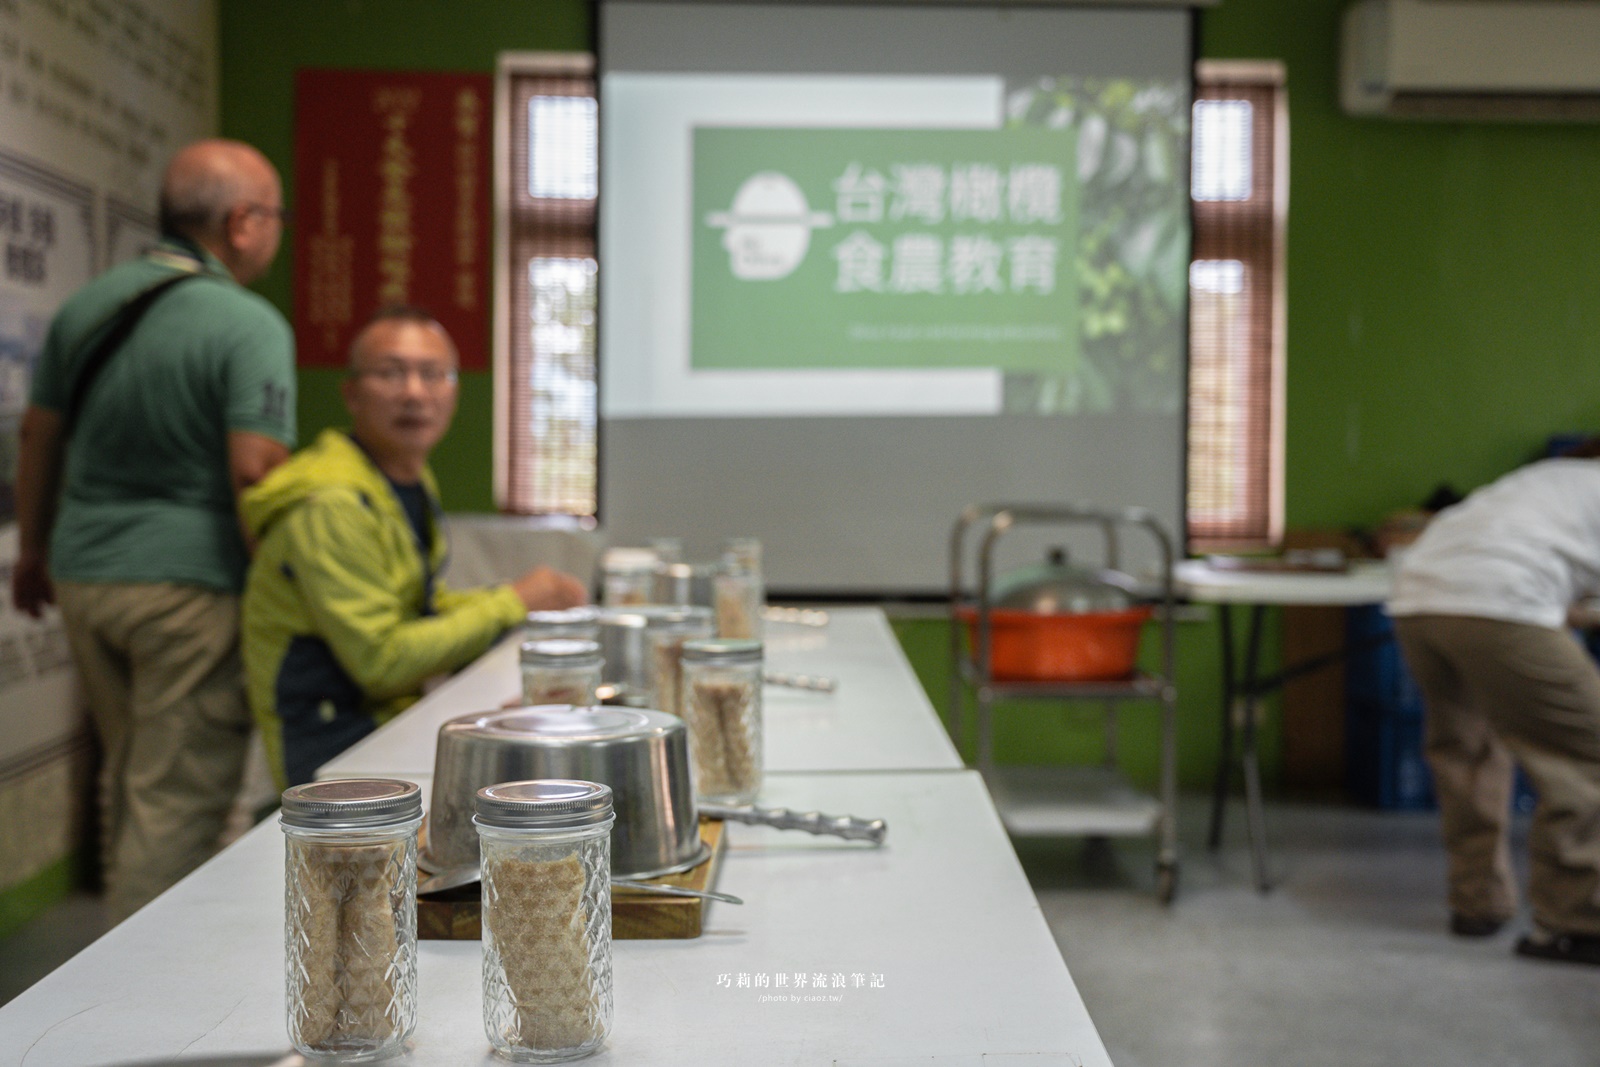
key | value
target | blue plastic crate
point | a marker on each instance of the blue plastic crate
(1384, 763)
(1374, 669)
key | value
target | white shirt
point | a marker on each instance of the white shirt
(1520, 550)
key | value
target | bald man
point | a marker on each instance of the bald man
(163, 390)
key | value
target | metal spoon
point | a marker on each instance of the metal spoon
(448, 878)
(454, 877)
(675, 891)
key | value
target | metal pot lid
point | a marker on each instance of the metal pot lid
(563, 723)
(627, 560)
(559, 652)
(586, 613)
(1056, 587)
(351, 804)
(544, 804)
(722, 650)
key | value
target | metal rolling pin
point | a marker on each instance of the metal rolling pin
(812, 822)
(809, 682)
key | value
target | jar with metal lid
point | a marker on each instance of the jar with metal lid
(579, 624)
(546, 862)
(685, 584)
(668, 550)
(560, 671)
(722, 709)
(666, 631)
(744, 551)
(739, 590)
(350, 916)
(627, 576)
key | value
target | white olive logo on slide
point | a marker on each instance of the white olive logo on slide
(768, 228)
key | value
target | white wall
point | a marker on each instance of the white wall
(94, 98)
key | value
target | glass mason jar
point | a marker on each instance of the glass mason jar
(668, 550)
(665, 632)
(350, 916)
(560, 671)
(722, 710)
(578, 624)
(744, 551)
(739, 590)
(546, 855)
(685, 584)
(627, 576)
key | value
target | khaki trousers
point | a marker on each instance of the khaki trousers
(160, 666)
(1497, 691)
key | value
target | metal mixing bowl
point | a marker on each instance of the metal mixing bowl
(643, 755)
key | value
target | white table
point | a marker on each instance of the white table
(943, 913)
(1365, 582)
(879, 718)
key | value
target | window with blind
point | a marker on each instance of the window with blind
(1236, 306)
(546, 397)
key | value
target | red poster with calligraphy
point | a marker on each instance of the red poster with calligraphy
(391, 203)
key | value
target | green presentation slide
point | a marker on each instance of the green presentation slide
(874, 249)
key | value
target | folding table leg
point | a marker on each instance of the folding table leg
(1255, 817)
(1225, 759)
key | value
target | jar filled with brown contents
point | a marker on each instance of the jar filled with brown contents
(546, 861)
(627, 576)
(722, 710)
(350, 926)
(560, 671)
(739, 589)
(665, 632)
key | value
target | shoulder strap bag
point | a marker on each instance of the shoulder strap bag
(112, 336)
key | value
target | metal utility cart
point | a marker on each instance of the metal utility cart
(1070, 801)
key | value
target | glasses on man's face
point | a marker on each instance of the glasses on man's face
(395, 375)
(280, 213)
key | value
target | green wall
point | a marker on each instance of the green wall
(264, 43)
(1443, 283)
(1441, 318)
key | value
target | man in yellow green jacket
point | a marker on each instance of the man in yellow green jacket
(344, 617)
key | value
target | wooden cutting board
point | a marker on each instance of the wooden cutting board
(456, 914)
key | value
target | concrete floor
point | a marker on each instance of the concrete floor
(1346, 962)
(49, 941)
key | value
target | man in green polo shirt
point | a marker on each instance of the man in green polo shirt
(126, 489)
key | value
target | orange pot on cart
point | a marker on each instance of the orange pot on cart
(1060, 623)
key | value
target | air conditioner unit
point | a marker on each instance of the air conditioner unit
(1511, 60)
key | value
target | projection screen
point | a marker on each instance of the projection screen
(862, 266)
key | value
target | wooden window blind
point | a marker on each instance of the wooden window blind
(1236, 307)
(547, 399)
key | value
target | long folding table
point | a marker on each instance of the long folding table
(929, 950)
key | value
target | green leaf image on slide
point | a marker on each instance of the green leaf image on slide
(1133, 248)
(882, 249)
